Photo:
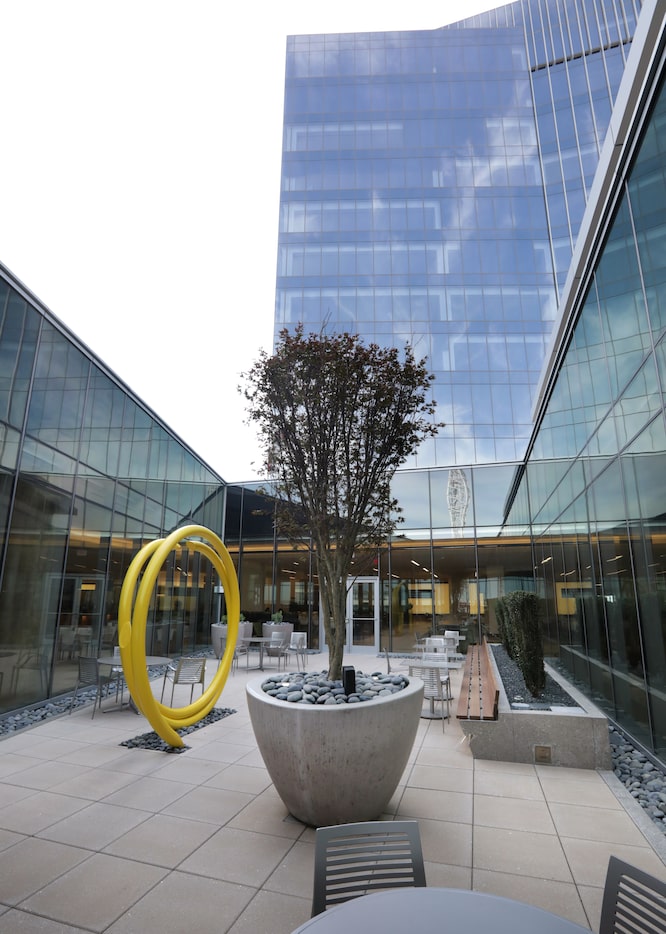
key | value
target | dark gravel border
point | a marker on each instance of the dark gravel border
(153, 741)
(516, 691)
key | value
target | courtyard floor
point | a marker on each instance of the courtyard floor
(98, 837)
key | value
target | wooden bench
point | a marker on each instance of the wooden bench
(479, 692)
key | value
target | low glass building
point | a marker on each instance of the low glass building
(88, 474)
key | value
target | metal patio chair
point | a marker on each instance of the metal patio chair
(90, 674)
(633, 901)
(298, 645)
(186, 671)
(357, 859)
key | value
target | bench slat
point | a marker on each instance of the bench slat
(479, 693)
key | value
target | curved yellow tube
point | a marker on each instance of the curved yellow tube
(132, 616)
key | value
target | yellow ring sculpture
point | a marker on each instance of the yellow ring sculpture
(132, 616)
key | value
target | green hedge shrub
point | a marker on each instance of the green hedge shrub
(520, 612)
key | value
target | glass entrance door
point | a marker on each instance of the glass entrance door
(363, 615)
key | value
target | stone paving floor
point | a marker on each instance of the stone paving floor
(96, 837)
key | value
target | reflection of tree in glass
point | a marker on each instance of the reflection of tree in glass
(457, 494)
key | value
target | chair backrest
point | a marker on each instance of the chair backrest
(356, 859)
(633, 901)
(88, 670)
(244, 632)
(435, 644)
(190, 671)
(299, 640)
(280, 638)
(432, 680)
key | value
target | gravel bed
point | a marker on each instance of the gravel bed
(519, 697)
(156, 743)
(315, 688)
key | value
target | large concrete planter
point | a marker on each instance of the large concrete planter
(573, 737)
(218, 638)
(336, 765)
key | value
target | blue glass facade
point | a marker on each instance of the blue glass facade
(594, 488)
(87, 476)
(432, 186)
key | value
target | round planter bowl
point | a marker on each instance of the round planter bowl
(335, 765)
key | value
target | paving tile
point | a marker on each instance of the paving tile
(508, 785)
(94, 784)
(441, 778)
(37, 811)
(589, 859)
(562, 774)
(94, 826)
(9, 838)
(458, 757)
(219, 752)
(437, 805)
(279, 914)
(162, 840)
(238, 856)
(148, 793)
(183, 768)
(561, 898)
(267, 814)
(511, 768)
(92, 754)
(591, 897)
(16, 921)
(512, 814)
(48, 775)
(10, 793)
(139, 761)
(524, 854)
(294, 875)
(182, 902)
(31, 864)
(51, 747)
(12, 763)
(213, 805)
(446, 842)
(96, 892)
(595, 823)
(241, 778)
(591, 794)
(445, 876)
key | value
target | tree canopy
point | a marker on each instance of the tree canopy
(336, 418)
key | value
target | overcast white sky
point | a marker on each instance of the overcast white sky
(140, 165)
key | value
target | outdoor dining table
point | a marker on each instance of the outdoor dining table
(260, 641)
(433, 910)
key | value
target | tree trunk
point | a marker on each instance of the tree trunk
(333, 592)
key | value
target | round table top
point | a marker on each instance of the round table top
(150, 660)
(433, 910)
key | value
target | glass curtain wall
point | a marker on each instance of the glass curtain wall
(596, 478)
(432, 186)
(436, 573)
(87, 476)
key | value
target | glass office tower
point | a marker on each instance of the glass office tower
(432, 187)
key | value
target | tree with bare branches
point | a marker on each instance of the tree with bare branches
(336, 418)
